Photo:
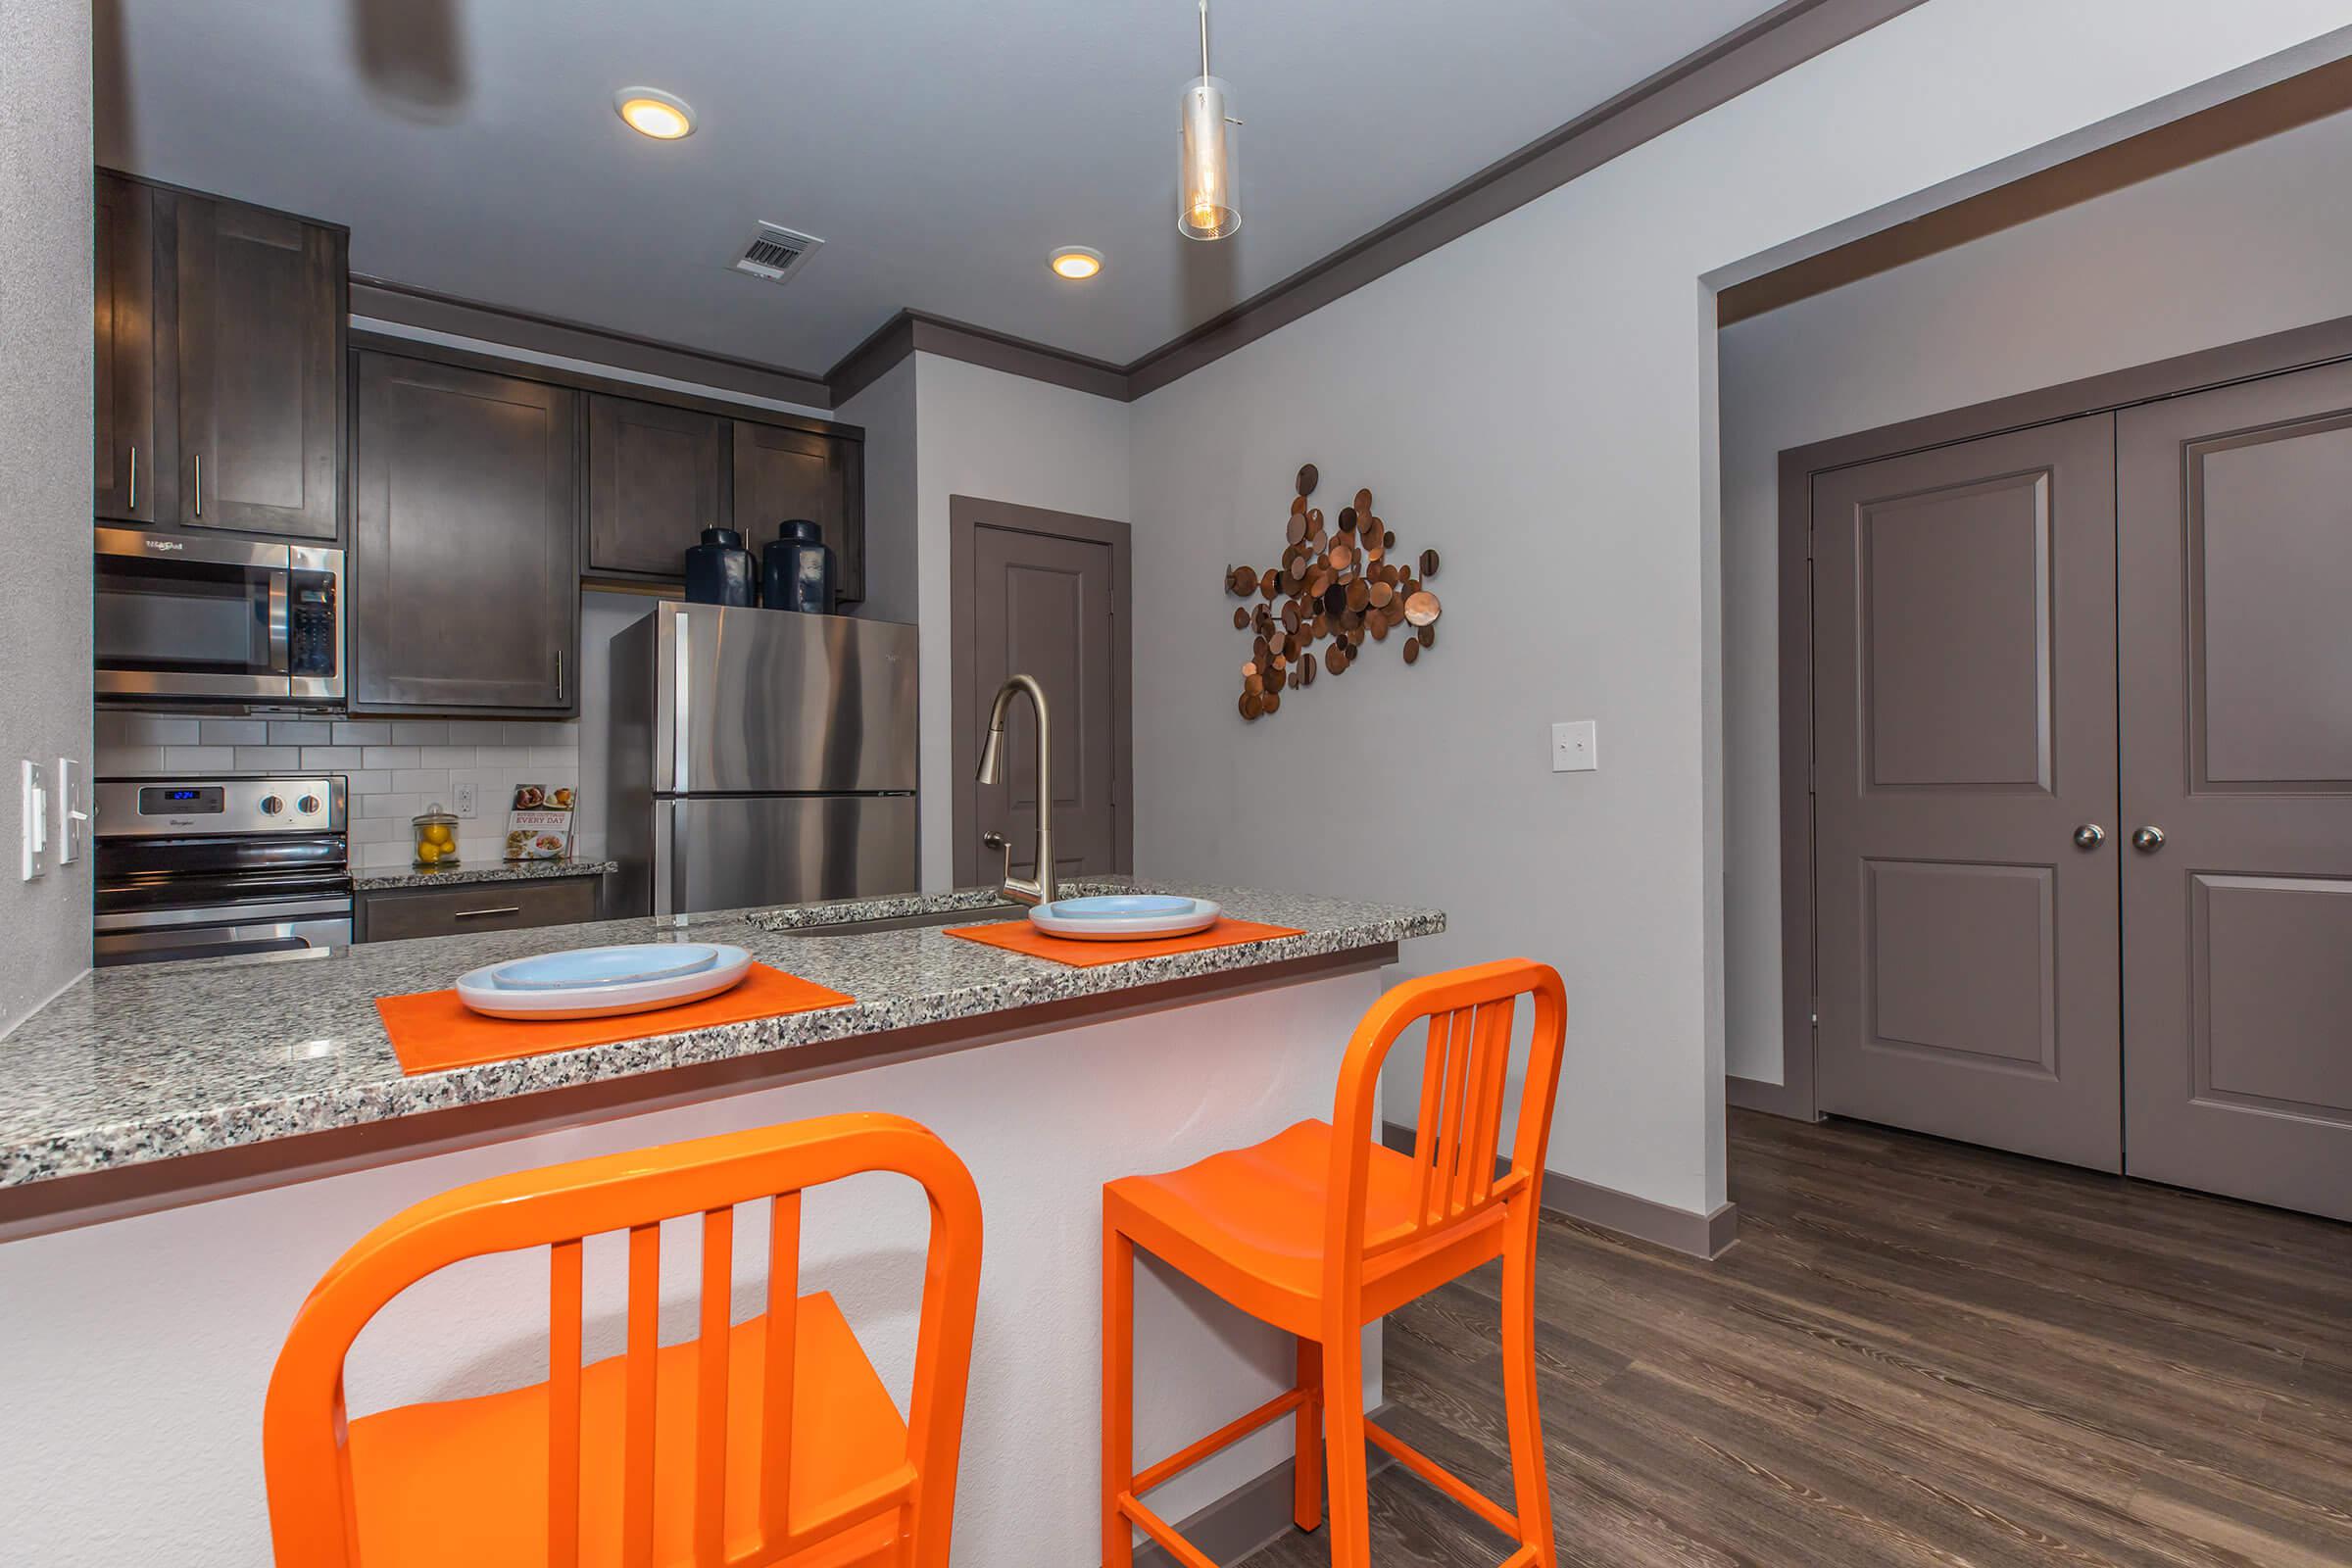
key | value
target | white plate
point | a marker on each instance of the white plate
(629, 965)
(1092, 922)
(481, 991)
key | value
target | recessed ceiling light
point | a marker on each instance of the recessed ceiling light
(1076, 262)
(662, 116)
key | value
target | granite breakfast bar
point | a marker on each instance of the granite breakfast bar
(185, 1149)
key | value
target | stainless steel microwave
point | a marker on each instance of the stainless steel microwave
(218, 620)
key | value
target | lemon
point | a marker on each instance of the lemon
(427, 852)
(437, 832)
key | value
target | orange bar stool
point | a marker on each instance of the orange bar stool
(1319, 1230)
(766, 1441)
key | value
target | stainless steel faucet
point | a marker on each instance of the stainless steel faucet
(1039, 888)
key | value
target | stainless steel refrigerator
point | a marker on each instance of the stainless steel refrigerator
(761, 757)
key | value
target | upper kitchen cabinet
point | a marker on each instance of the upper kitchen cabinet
(218, 363)
(464, 564)
(125, 362)
(782, 474)
(656, 479)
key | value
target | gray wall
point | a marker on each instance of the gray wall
(2251, 242)
(44, 468)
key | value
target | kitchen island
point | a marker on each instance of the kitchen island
(185, 1149)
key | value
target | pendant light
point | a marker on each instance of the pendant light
(1209, 192)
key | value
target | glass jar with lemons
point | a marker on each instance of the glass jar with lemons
(436, 838)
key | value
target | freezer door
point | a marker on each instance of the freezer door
(760, 699)
(744, 851)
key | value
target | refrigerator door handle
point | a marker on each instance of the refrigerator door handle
(681, 720)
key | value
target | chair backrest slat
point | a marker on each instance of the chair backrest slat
(564, 1406)
(1465, 1075)
(711, 1389)
(783, 1324)
(313, 1517)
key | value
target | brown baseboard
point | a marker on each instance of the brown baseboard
(1250, 1517)
(1774, 1100)
(1700, 1235)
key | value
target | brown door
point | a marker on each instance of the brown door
(654, 474)
(2235, 520)
(1044, 605)
(259, 298)
(782, 474)
(1964, 711)
(125, 469)
(464, 541)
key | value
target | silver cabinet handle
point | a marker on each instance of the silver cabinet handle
(558, 674)
(134, 479)
(200, 484)
(476, 915)
(2148, 840)
(2090, 836)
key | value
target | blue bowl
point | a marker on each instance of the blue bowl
(1120, 906)
(605, 967)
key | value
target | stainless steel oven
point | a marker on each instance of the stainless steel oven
(216, 620)
(213, 867)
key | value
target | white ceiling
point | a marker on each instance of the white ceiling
(938, 148)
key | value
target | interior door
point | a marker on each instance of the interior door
(1042, 606)
(1965, 740)
(2235, 573)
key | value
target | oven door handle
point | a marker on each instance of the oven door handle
(325, 909)
(281, 620)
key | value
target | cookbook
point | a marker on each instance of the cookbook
(539, 827)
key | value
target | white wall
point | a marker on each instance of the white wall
(886, 411)
(45, 390)
(2249, 242)
(1536, 401)
(982, 432)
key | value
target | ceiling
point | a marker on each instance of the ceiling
(940, 149)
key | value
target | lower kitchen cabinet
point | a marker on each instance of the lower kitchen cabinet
(464, 569)
(390, 914)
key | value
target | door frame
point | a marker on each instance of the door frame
(967, 516)
(2297, 349)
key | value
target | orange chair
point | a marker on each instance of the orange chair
(766, 1441)
(1320, 1231)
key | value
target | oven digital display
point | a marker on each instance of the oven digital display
(161, 799)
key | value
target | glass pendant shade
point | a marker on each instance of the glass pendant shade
(1209, 199)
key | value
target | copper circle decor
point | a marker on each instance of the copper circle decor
(1339, 588)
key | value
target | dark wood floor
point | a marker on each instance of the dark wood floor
(1917, 1352)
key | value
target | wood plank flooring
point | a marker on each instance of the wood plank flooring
(1916, 1354)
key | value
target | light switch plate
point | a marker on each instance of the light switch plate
(72, 810)
(33, 819)
(1576, 746)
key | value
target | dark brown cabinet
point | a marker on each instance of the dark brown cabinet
(465, 568)
(657, 477)
(391, 914)
(782, 474)
(125, 365)
(218, 363)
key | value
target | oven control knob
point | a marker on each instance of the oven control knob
(307, 805)
(271, 805)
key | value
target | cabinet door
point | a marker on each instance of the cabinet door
(784, 473)
(464, 564)
(260, 299)
(654, 475)
(126, 467)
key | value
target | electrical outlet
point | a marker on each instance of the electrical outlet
(464, 795)
(33, 818)
(1576, 746)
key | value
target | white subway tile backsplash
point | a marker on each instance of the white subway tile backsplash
(115, 728)
(301, 732)
(127, 762)
(333, 757)
(477, 732)
(409, 765)
(445, 757)
(543, 732)
(556, 757)
(386, 857)
(368, 781)
(387, 756)
(502, 756)
(234, 732)
(432, 781)
(420, 732)
(269, 759)
(379, 830)
(362, 734)
(400, 806)
(199, 758)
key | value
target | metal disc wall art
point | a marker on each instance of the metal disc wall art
(1338, 581)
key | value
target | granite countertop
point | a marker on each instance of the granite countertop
(154, 1061)
(480, 871)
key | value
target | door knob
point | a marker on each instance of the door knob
(2090, 836)
(2148, 840)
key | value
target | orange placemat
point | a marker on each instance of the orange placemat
(1019, 936)
(433, 1031)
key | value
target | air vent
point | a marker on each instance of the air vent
(776, 252)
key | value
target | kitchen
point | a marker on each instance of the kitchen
(736, 730)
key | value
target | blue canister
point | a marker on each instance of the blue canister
(799, 568)
(720, 571)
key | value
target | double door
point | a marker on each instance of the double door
(2082, 790)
